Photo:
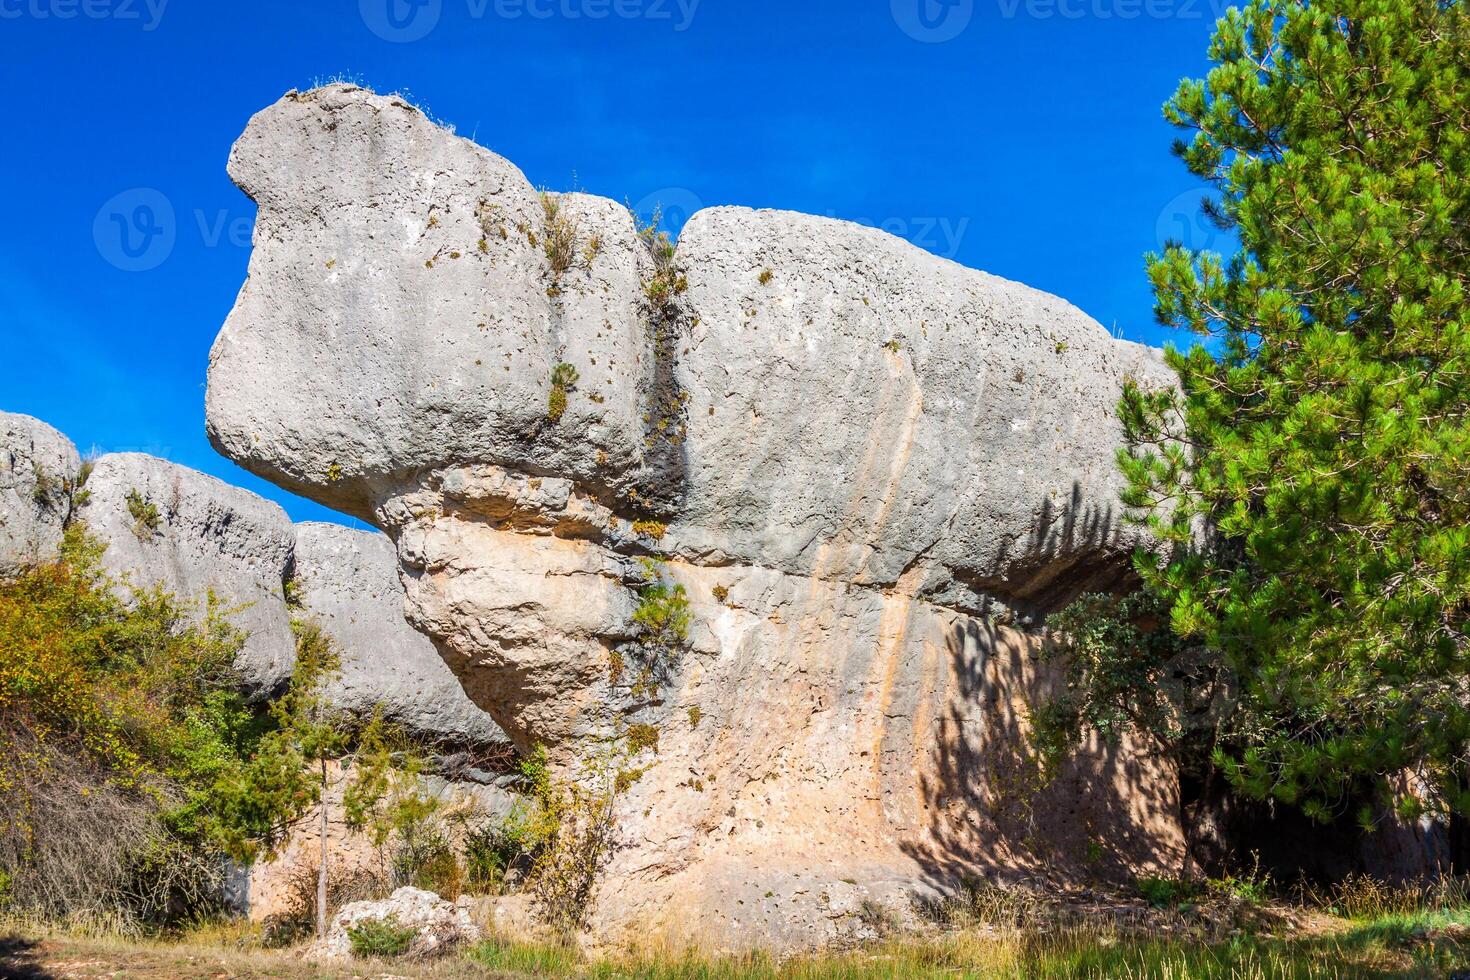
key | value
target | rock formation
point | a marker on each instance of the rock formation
(437, 926)
(871, 470)
(38, 470)
(348, 581)
(165, 524)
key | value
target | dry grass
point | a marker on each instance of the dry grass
(1429, 945)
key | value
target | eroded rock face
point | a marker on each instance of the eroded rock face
(348, 581)
(39, 468)
(872, 471)
(438, 926)
(165, 524)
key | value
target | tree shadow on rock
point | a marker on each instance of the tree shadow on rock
(992, 811)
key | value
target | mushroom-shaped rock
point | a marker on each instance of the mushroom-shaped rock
(776, 513)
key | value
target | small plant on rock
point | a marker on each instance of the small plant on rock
(663, 614)
(146, 519)
(651, 529)
(563, 380)
(559, 240)
(45, 488)
(641, 736)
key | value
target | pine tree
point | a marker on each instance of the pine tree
(1310, 479)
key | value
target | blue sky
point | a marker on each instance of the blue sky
(1022, 137)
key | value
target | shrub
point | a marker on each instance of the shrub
(1166, 893)
(297, 918)
(381, 937)
(563, 880)
(116, 722)
(641, 736)
(666, 281)
(563, 379)
(146, 519)
(663, 613)
(559, 238)
(499, 848)
(45, 488)
(982, 902)
(651, 529)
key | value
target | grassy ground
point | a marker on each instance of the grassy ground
(1426, 944)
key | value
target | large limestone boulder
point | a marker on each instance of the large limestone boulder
(872, 471)
(430, 337)
(348, 581)
(165, 524)
(437, 926)
(39, 470)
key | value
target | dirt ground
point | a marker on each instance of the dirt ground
(82, 959)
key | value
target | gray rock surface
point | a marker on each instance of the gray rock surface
(39, 468)
(871, 470)
(348, 581)
(872, 409)
(165, 524)
(427, 334)
(439, 926)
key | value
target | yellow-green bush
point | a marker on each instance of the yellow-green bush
(116, 721)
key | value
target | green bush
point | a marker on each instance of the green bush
(381, 938)
(146, 519)
(563, 379)
(663, 613)
(1166, 893)
(117, 722)
(498, 848)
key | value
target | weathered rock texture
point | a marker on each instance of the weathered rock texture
(877, 469)
(165, 524)
(438, 926)
(347, 581)
(39, 468)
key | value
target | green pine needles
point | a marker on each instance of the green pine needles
(1310, 480)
